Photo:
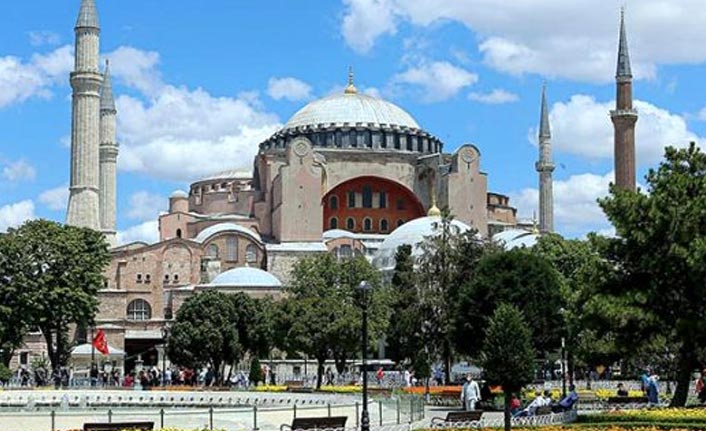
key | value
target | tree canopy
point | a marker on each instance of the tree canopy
(658, 257)
(322, 313)
(517, 277)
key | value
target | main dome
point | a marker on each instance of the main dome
(351, 109)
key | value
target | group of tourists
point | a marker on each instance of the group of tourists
(544, 399)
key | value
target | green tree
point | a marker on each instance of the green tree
(204, 333)
(659, 253)
(507, 355)
(322, 316)
(448, 257)
(61, 270)
(15, 308)
(256, 375)
(517, 277)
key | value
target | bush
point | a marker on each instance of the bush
(256, 375)
(5, 374)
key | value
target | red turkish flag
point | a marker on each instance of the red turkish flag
(100, 343)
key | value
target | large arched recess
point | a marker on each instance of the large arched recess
(370, 204)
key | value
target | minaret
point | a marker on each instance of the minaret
(545, 167)
(86, 83)
(624, 116)
(108, 158)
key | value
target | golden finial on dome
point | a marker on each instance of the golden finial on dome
(350, 89)
(434, 210)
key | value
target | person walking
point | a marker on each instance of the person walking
(701, 387)
(471, 393)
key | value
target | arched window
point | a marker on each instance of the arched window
(383, 200)
(333, 202)
(367, 224)
(178, 233)
(232, 248)
(383, 225)
(251, 253)
(350, 223)
(400, 222)
(351, 199)
(333, 223)
(367, 196)
(139, 309)
(212, 251)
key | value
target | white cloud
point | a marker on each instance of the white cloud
(583, 127)
(19, 171)
(575, 39)
(13, 215)
(439, 80)
(182, 134)
(495, 97)
(145, 205)
(137, 69)
(576, 211)
(147, 232)
(43, 37)
(288, 88)
(55, 199)
(20, 80)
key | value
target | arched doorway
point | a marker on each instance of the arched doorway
(371, 205)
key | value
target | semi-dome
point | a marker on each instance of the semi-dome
(226, 227)
(514, 238)
(351, 109)
(412, 233)
(246, 277)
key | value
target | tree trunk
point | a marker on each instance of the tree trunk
(447, 362)
(686, 366)
(49, 339)
(507, 417)
(319, 371)
(571, 367)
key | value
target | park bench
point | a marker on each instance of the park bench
(119, 426)
(467, 418)
(627, 402)
(318, 423)
(543, 410)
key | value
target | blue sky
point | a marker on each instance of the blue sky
(199, 84)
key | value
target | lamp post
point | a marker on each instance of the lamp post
(365, 287)
(165, 336)
(563, 367)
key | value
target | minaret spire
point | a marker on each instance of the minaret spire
(545, 168)
(108, 158)
(86, 80)
(624, 116)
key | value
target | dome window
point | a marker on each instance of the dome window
(367, 224)
(351, 199)
(232, 248)
(333, 223)
(333, 202)
(367, 196)
(384, 225)
(212, 251)
(251, 253)
(350, 224)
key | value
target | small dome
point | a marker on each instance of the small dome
(226, 227)
(514, 238)
(229, 174)
(179, 194)
(246, 277)
(351, 108)
(411, 233)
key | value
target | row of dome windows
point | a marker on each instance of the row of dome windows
(383, 224)
(364, 139)
(366, 199)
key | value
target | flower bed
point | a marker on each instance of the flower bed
(668, 415)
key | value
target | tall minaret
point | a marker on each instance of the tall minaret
(86, 83)
(545, 167)
(108, 158)
(624, 116)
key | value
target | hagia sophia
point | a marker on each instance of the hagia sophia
(348, 174)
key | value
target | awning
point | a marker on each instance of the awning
(86, 350)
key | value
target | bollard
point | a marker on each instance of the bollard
(210, 418)
(329, 409)
(295, 410)
(357, 415)
(53, 420)
(380, 411)
(411, 410)
(398, 411)
(161, 418)
(254, 418)
(110, 416)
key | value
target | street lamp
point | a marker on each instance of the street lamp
(563, 367)
(165, 336)
(365, 288)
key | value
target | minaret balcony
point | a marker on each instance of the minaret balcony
(623, 113)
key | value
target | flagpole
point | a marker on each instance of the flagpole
(93, 347)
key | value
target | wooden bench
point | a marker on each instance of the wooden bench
(318, 423)
(119, 426)
(464, 417)
(294, 383)
(543, 410)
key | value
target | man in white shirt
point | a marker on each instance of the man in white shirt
(470, 394)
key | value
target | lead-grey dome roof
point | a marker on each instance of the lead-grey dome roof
(351, 109)
(246, 277)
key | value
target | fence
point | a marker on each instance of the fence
(383, 413)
